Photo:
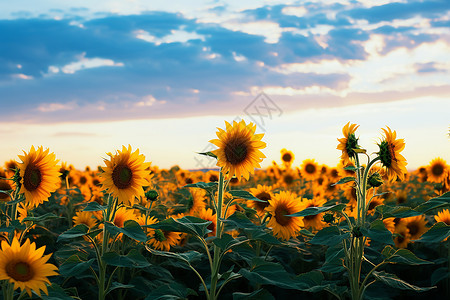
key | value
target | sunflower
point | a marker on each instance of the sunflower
(196, 201)
(144, 222)
(437, 170)
(238, 154)
(402, 235)
(5, 185)
(163, 240)
(389, 224)
(264, 193)
(348, 143)
(390, 156)
(309, 169)
(208, 215)
(123, 214)
(280, 206)
(25, 266)
(39, 175)
(443, 216)
(287, 157)
(84, 217)
(416, 226)
(288, 178)
(211, 176)
(125, 175)
(314, 221)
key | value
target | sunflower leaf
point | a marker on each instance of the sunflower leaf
(186, 224)
(396, 211)
(74, 232)
(402, 256)
(260, 294)
(437, 233)
(94, 206)
(395, 282)
(46, 217)
(132, 260)
(344, 180)
(117, 285)
(442, 201)
(378, 232)
(239, 194)
(208, 186)
(210, 154)
(329, 236)
(312, 211)
(133, 230)
(74, 266)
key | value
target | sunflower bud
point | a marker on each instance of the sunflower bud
(16, 178)
(151, 195)
(375, 180)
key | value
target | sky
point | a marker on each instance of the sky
(85, 77)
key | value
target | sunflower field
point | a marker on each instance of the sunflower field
(367, 228)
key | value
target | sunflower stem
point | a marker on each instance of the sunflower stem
(216, 249)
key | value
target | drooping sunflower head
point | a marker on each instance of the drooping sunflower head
(310, 169)
(39, 174)
(390, 157)
(239, 149)
(348, 143)
(287, 157)
(280, 207)
(25, 266)
(437, 170)
(125, 175)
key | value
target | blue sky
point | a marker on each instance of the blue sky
(76, 69)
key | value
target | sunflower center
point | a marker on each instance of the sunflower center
(83, 180)
(280, 216)
(286, 157)
(122, 176)
(310, 169)
(437, 169)
(32, 178)
(236, 150)
(213, 178)
(19, 271)
(288, 179)
(413, 228)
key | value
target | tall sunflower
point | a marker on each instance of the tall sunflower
(391, 159)
(348, 143)
(437, 170)
(310, 169)
(25, 266)
(39, 174)
(238, 154)
(280, 206)
(125, 175)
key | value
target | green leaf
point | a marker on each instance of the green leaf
(378, 232)
(238, 194)
(117, 285)
(396, 211)
(172, 291)
(334, 259)
(264, 272)
(310, 279)
(186, 224)
(46, 217)
(253, 232)
(188, 257)
(224, 241)
(12, 226)
(55, 292)
(260, 294)
(74, 232)
(439, 274)
(132, 260)
(209, 186)
(395, 282)
(74, 266)
(344, 180)
(351, 168)
(210, 154)
(442, 201)
(437, 233)
(94, 206)
(329, 236)
(133, 230)
(312, 211)
(402, 256)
